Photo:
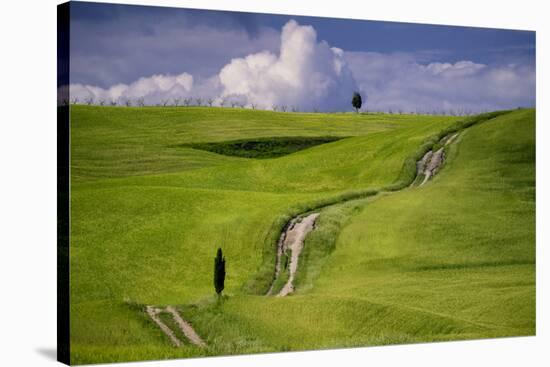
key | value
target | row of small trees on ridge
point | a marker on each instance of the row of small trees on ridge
(177, 102)
(357, 104)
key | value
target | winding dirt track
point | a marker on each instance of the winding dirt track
(280, 247)
(432, 163)
(293, 236)
(294, 241)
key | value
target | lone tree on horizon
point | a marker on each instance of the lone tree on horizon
(356, 101)
(219, 272)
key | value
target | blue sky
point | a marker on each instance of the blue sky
(112, 44)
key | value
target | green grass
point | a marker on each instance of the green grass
(119, 141)
(262, 148)
(451, 260)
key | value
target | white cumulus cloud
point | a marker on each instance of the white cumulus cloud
(306, 74)
(153, 89)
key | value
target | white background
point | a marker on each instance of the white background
(28, 181)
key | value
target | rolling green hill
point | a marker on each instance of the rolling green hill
(450, 260)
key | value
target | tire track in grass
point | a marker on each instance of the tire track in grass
(153, 314)
(184, 326)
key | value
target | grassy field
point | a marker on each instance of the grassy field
(451, 260)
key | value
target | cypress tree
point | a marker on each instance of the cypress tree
(219, 272)
(356, 101)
